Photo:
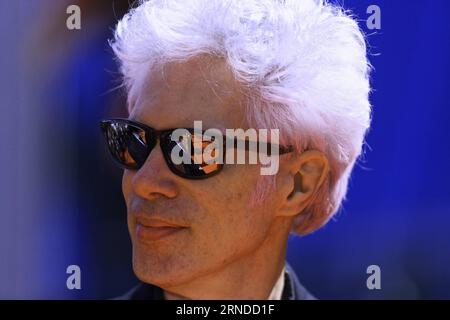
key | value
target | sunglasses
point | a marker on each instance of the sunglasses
(130, 143)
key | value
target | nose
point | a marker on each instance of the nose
(154, 178)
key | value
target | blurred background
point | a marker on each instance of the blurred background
(61, 201)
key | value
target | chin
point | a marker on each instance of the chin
(163, 272)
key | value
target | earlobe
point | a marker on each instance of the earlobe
(308, 172)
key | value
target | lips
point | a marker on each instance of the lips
(155, 229)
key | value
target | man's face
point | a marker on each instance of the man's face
(216, 225)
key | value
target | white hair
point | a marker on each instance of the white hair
(304, 60)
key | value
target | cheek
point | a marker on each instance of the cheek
(228, 205)
(126, 191)
(126, 184)
(230, 230)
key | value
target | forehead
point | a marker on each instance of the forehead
(179, 93)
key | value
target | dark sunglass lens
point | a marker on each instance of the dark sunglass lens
(183, 149)
(127, 144)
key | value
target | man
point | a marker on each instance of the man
(296, 66)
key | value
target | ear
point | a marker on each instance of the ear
(308, 171)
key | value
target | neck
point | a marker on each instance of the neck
(251, 277)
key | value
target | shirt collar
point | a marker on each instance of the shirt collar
(278, 288)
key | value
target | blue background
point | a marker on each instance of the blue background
(61, 202)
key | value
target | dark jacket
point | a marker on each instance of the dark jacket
(293, 290)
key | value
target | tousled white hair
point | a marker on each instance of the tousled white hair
(304, 60)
